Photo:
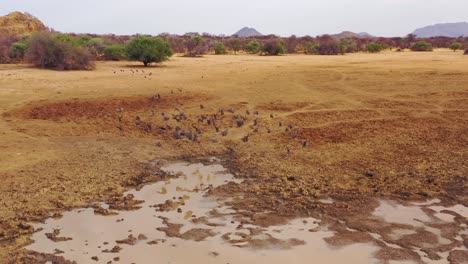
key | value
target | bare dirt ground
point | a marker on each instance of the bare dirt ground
(352, 128)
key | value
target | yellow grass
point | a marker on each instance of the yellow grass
(375, 124)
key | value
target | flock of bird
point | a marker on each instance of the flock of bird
(179, 126)
(146, 75)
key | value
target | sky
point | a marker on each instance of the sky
(384, 18)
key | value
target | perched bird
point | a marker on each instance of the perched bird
(202, 106)
(148, 128)
(271, 115)
(304, 143)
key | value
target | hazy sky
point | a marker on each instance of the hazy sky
(285, 17)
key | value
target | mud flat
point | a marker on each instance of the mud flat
(177, 223)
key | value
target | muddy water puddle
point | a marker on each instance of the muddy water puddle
(191, 228)
(177, 222)
(429, 226)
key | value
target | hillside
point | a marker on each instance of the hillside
(446, 30)
(349, 34)
(18, 23)
(247, 32)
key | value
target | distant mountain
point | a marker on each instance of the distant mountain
(445, 30)
(18, 23)
(349, 34)
(247, 32)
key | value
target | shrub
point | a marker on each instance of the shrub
(96, 47)
(466, 51)
(149, 50)
(311, 48)
(234, 44)
(6, 41)
(421, 46)
(51, 51)
(196, 46)
(273, 47)
(115, 52)
(253, 46)
(374, 47)
(219, 48)
(18, 50)
(348, 46)
(455, 46)
(328, 46)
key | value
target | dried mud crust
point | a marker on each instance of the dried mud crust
(288, 160)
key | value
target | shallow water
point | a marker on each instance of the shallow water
(224, 240)
(417, 219)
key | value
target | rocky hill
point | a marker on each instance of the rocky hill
(446, 30)
(247, 32)
(349, 34)
(18, 23)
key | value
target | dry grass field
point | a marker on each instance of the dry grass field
(348, 127)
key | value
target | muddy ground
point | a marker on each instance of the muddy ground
(296, 128)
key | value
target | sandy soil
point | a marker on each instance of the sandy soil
(348, 127)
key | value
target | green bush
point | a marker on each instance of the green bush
(273, 47)
(115, 52)
(96, 47)
(253, 46)
(57, 51)
(18, 50)
(456, 46)
(348, 46)
(149, 50)
(375, 47)
(421, 46)
(311, 48)
(196, 46)
(219, 48)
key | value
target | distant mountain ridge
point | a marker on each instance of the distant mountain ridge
(443, 30)
(18, 23)
(247, 32)
(349, 34)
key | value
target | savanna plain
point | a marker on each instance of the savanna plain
(328, 137)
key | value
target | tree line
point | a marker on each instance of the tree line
(60, 51)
